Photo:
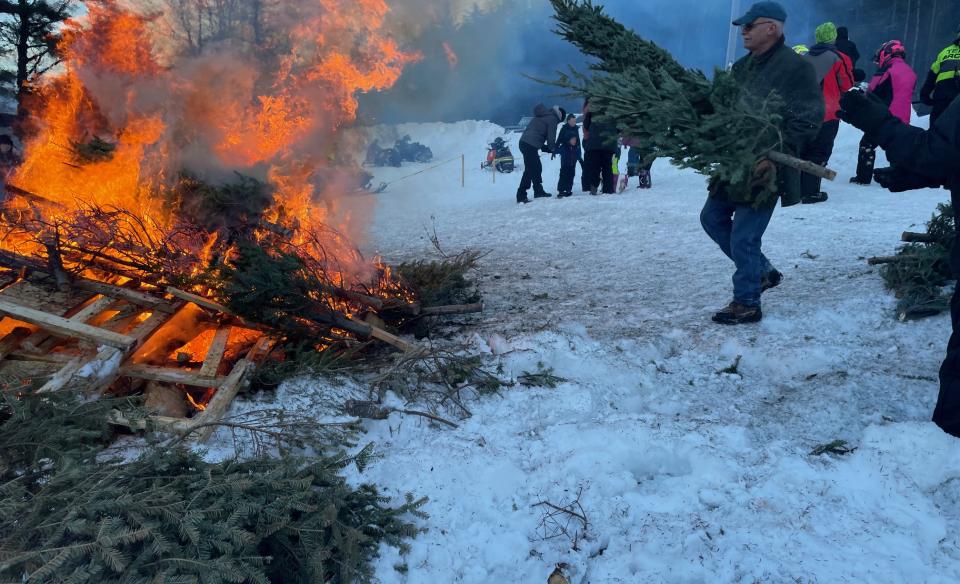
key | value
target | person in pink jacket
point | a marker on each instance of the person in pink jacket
(894, 83)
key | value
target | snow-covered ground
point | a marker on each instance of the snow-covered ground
(685, 473)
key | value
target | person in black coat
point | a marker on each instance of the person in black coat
(920, 159)
(540, 135)
(601, 144)
(568, 147)
(846, 46)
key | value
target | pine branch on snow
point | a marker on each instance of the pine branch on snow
(923, 269)
(69, 512)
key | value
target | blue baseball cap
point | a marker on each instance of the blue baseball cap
(771, 10)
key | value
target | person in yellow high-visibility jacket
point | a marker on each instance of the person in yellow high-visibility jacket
(943, 81)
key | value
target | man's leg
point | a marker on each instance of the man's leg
(717, 221)
(536, 175)
(591, 169)
(531, 159)
(565, 184)
(947, 413)
(746, 241)
(818, 152)
(609, 182)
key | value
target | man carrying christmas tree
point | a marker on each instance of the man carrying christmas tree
(920, 159)
(736, 219)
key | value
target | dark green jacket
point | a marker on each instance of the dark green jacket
(781, 71)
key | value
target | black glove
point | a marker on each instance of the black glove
(546, 150)
(553, 155)
(863, 110)
(898, 180)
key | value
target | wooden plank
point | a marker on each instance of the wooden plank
(389, 338)
(11, 341)
(261, 349)
(199, 301)
(213, 306)
(55, 358)
(41, 342)
(62, 377)
(66, 327)
(221, 401)
(93, 309)
(147, 328)
(168, 375)
(131, 296)
(97, 372)
(211, 364)
(165, 423)
(223, 398)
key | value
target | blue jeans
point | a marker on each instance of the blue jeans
(738, 230)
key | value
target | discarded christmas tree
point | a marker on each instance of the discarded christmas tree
(709, 126)
(921, 269)
(72, 511)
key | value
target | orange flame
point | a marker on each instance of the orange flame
(155, 116)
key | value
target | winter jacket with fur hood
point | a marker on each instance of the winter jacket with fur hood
(542, 130)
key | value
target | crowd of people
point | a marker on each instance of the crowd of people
(820, 86)
(598, 154)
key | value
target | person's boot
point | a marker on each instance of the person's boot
(865, 162)
(820, 197)
(522, 196)
(736, 313)
(646, 181)
(539, 193)
(770, 280)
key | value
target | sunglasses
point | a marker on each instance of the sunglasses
(755, 24)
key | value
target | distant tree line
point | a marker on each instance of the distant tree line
(924, 26)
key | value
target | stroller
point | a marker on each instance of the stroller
(499, 157)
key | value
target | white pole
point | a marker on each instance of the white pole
(732, 37)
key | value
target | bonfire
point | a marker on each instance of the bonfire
(182, 216)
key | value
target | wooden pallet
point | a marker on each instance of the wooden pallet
(87, 341)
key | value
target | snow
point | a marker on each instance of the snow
(686, 473)
(101, 368)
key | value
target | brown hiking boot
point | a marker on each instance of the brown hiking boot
(736, 313)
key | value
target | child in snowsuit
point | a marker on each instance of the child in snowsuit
(636, 166)
(568, 147)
